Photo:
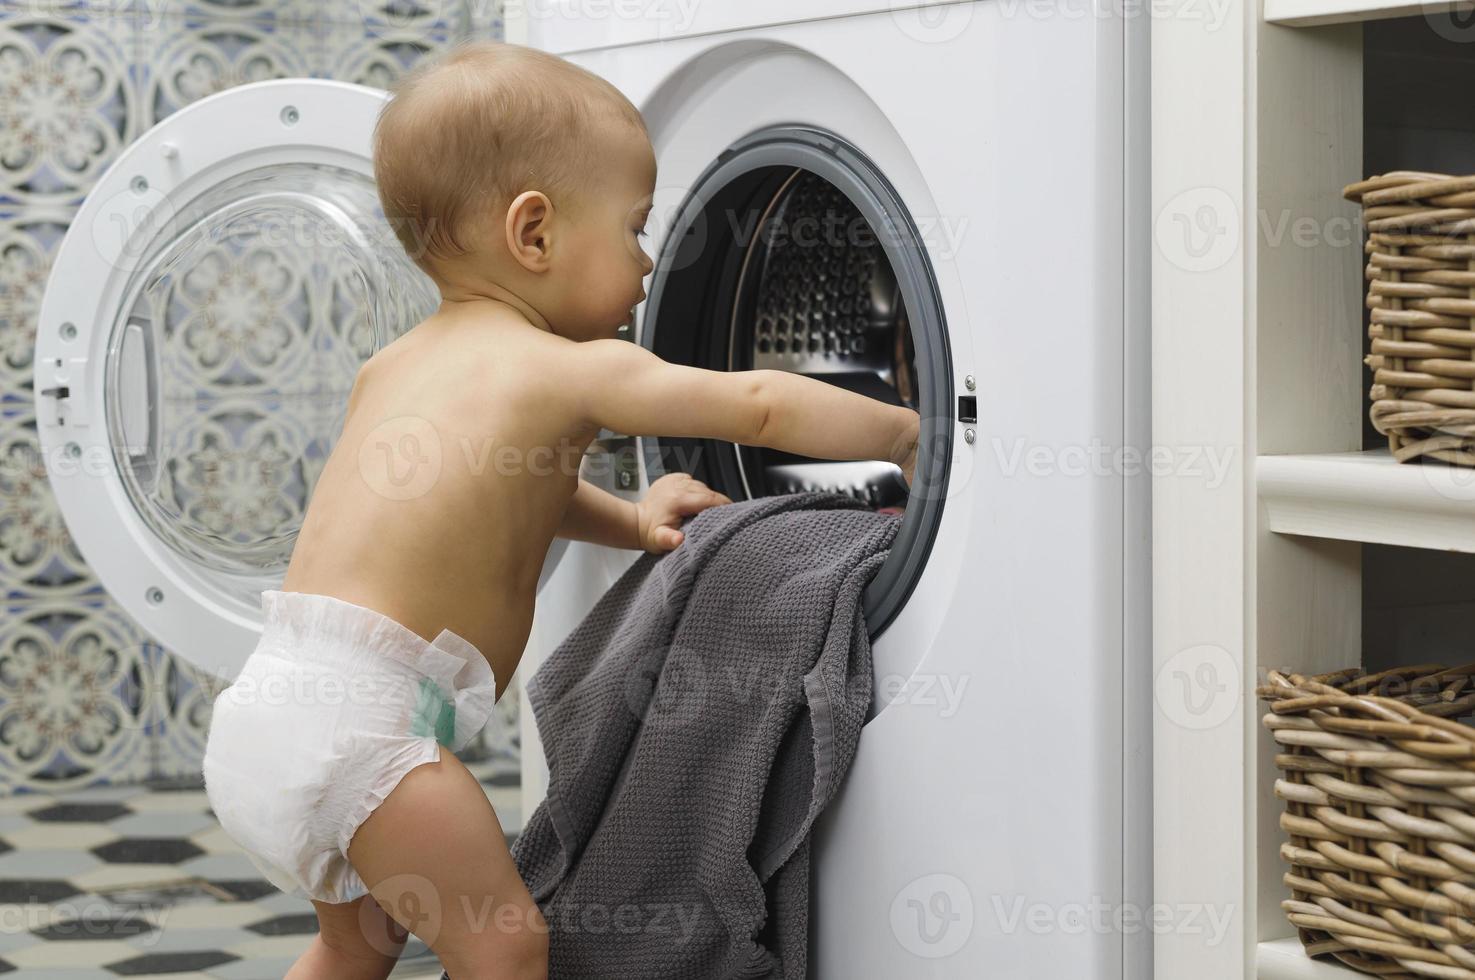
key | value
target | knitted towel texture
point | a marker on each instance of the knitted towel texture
(696, 723)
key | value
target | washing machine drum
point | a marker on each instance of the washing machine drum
(793, 253)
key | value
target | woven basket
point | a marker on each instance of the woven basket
(1379, 786)
(1421, 291)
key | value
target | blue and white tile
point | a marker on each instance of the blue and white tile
(70, 105)
(72, 704)
(380, 53)
(38, 558)
(194, 57)
(29, 238)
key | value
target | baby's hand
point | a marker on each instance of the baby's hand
(668, 500)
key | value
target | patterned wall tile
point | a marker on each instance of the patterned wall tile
(38, 558)
(69, 105)
(429, 18)
(194, 59)
(488, 19)
(376, 59)
(28, 241)
(73, 704)
(390, 41)
(181, 697)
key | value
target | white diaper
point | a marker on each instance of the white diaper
(336, 703)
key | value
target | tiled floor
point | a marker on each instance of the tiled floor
(140, 881)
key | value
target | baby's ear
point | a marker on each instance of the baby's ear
(526, 229)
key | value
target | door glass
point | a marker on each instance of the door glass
(230, 366)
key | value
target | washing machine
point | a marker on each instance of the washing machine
(941, 205)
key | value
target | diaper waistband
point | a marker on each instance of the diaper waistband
(341, 634)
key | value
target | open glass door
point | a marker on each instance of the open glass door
(204, 321)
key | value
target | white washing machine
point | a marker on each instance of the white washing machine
(966, 180)
(996, 820)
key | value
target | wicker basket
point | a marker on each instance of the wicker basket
(1421, 272)
(1379, 786)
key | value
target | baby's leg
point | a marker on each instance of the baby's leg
(434, 856)
(355, 941)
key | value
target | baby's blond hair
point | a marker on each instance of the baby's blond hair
(467, 132)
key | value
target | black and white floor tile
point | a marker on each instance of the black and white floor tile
(141, 881)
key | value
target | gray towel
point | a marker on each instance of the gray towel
(695, 724)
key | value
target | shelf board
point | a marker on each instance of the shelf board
(1310, 13)
(1368, 497)
(1284, 959)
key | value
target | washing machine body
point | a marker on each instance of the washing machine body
(995, 821)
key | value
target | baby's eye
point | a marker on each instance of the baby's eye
(643, 233)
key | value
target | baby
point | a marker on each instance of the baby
(521, 184)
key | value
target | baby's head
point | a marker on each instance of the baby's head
(509, 172)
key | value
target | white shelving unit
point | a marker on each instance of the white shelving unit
(1282, 959)
(1310, 13)
(1368, 497)
(1257, 347)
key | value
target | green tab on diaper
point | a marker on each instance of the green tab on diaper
(435, 714)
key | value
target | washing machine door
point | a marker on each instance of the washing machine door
(203, 324)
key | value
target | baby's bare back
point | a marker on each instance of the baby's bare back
(437, 506)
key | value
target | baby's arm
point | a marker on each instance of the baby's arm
(652, 525)
(600, 517)
(628, 389)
